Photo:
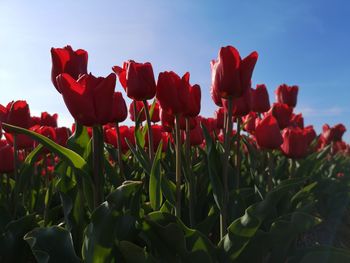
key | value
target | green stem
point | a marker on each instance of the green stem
(15, 174)
(292, 168)
(191, 187)
(97, 165)
(271, 170)
(178, 166)
(227, 143)
(135, 120)
(120, 158)
(150, 132)
(238, 153)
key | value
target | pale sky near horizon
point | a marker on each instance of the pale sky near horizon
(299, 42)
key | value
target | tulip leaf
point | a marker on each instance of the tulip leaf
(155, 185)
(52, 244)
(68, 155)
(214, 167)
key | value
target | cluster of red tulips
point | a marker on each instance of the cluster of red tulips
(160, 169)
(93, 101)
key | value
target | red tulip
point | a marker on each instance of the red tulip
(17, 113)
(62, 135)
(48, 120)
(193, 123)
(260, 99)
(66, 60)
(287, 95)
(89, 99)
(137, 79)
(157, 131)
(194, 95)
(139, 111)
(23, 141)
(294, 142)
(282, 113)
(267, 133)
(172, 94)
(35, 121)
(231, 75)
(125, 133)
(215, 96)
(156, 113)
(219, 115)
(310, 134)
(119, 110)
(249, 122)
(240, 106)
(167, 120)
(6, 157)
(196, 135)
(333, 134)
(297, 120)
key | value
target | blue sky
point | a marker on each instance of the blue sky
(299, 42)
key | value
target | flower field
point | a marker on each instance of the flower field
(252, 183)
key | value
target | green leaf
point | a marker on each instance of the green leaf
(215, 168)
(133, 253)
(155, 189)
(243, 229)
(68, 155)
(52, 244)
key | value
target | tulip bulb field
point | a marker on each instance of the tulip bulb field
(251, 183)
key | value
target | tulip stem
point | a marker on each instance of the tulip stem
(97, 168)
(271, 170)
(292, 168)
(227, 144)
(135, 119)
(15, 174)
(238, 152)
(120, 158)
(178, 166)
(149, 131)
(191, 187)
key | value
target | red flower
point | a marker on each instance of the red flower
(157, 131)
(230, 74)
(139, 111)
(310, 134)
(196, 135)
(167, 120)
(156, 113)
(17, 113)
(137, 79)
(66, 60)
(215, 96)
(193, 123)
(260, 99)
(172, 94)
(295, 143)
(219, 115)
(282, 113)
(48, 120)
(249, 122)
(6, 157)
(23, 141)
(62, 135)
(125, 133)
(240, 106)
(297, 120)
(35, 121)
(194, 95)
(119, 110)
(267, 133)
(89, 99)
(287, 95)
(333, 134)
